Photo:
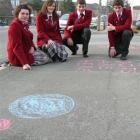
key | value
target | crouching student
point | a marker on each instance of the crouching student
(119, 30)
(77, 30)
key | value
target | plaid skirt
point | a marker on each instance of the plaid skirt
(40, 58)
(56, 50)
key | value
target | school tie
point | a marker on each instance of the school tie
(81, 17)
(119, 17)
(50, 19)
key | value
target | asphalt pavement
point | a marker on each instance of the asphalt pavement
(94, 98)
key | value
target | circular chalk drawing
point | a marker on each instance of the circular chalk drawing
(42, 106)
(4, 124)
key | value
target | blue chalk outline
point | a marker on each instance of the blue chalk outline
(42, 106)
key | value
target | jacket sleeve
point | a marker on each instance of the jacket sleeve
(88, 18)
(16, 41)
(111, 34)
(58, 31)
(127, 24)
(67, 33)
(40, 30)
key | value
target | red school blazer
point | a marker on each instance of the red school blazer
(20, 41)
(78, 25)
(46, 31)
(123, 24)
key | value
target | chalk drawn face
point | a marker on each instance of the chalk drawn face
(4, 124)
(41, 106)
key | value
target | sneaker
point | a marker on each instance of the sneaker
(123, 57)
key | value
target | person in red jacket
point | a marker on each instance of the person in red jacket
(77, 29)
(20, 48)
(48, 34)
(119, 30)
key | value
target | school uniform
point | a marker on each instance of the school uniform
(48, 28)
(81, 33)
(20, 42)
(121, 37)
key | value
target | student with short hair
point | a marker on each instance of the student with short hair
(77, 30)
(119, 30)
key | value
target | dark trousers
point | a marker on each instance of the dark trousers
(80, 38)
(122, 42)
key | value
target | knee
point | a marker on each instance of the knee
(87, 31)
(127, 33)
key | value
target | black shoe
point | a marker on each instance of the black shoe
(75, 50)
(44, 49)
(123, 57)
(74, 53)
(85, 55)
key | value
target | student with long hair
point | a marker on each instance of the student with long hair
(48, 34)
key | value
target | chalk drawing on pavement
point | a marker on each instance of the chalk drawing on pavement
(4, 124)
(101, 64)
(42, 106)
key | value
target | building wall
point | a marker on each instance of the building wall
(15, 3)
(5, 12)
(136, 14)
(5, 8)
(23, 1)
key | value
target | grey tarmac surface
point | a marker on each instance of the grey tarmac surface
(106, 93)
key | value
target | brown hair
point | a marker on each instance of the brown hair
(44, 8)
(118, 3)
(23, 6)
(81, 2)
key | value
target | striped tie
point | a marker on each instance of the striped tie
(50, 19)
(119, 17)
